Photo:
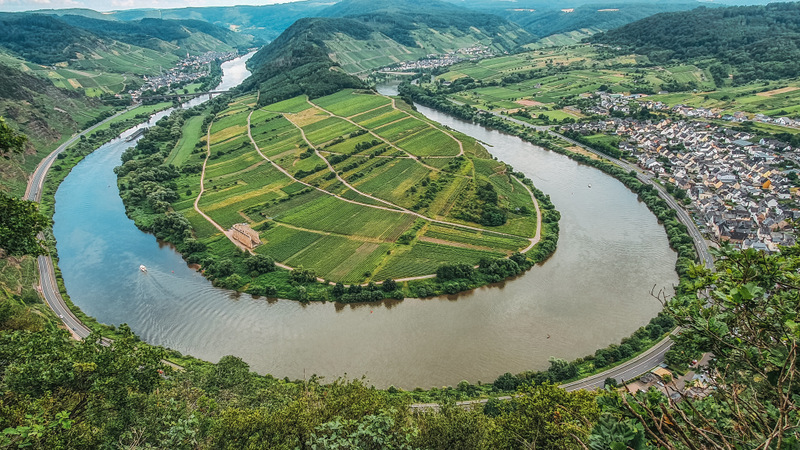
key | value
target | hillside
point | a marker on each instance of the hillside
(185, 36)
(59, 74)
(265, 22)
(45, 113)
(294, 65)
(317, 56)
(48, 40)
(546, 20)
(423, 28)
(749, 42)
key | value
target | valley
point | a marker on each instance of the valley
(554, 197)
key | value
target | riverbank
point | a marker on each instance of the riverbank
(649, 192)
(431, 342)
(382, 267)
(42, 186)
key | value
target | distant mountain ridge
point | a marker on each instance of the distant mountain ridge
(385, 32)
(318, 56)
(46, 39)
(548, 20)
(264, 22)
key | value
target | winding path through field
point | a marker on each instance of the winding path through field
(399, 209)
(389, 206)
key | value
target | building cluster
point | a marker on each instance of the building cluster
(434, 61)
(189, 69)
(608, 102)
(743, 191)
(697, 382)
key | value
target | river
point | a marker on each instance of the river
(594, 291)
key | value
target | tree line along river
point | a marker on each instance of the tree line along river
(594, 291)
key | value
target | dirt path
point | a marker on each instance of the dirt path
(460, 144)
(384, 140)
(402, 210)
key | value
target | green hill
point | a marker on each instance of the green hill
(296, 63)
(193, 36)
(45, 113)
(48, 40)
(54, 71)
(751, 42)
(547, 20)
(317, 56)
(265, 22)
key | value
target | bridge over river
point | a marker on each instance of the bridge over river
(178, 97)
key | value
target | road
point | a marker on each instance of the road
(653, 356)
(700, 244)
(34, 189)
(627, 370)
(623, 372)
(47, 276)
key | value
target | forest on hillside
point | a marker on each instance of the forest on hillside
(751, 42)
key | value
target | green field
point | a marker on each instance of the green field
(566, 73)
(345, 225)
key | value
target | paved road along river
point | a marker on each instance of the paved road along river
(592, 292)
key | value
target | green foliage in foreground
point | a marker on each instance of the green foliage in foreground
(64, 394)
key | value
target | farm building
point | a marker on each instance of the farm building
(245, 235)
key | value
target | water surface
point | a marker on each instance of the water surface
(594, 291)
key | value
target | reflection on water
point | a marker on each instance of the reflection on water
(592, 292)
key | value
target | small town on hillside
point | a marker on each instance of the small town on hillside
(186, 70)
(742, 191)
(434, 61)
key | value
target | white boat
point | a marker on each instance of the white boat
(143, 268)
(590, 185)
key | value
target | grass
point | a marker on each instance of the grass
(282, 243)
(347, 103)
(293, 105)
(189, 136)
(379, 118)
(424, 258)
(494, 241)
(328, 129)
(400, 129)
(429, 142)
(347, 236)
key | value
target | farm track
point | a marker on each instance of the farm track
(403, 210)
(384, 140)
(390, 206)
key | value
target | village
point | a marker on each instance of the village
(189, 69)
(434, 61)
(606, 103)
(738, 190)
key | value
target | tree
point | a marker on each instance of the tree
(20, 222)
(10, 141)
(389, 285)
(546, 417)
(260, 263)
(301, 275)
(745, 314)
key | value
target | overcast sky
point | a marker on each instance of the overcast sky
(106, 5)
